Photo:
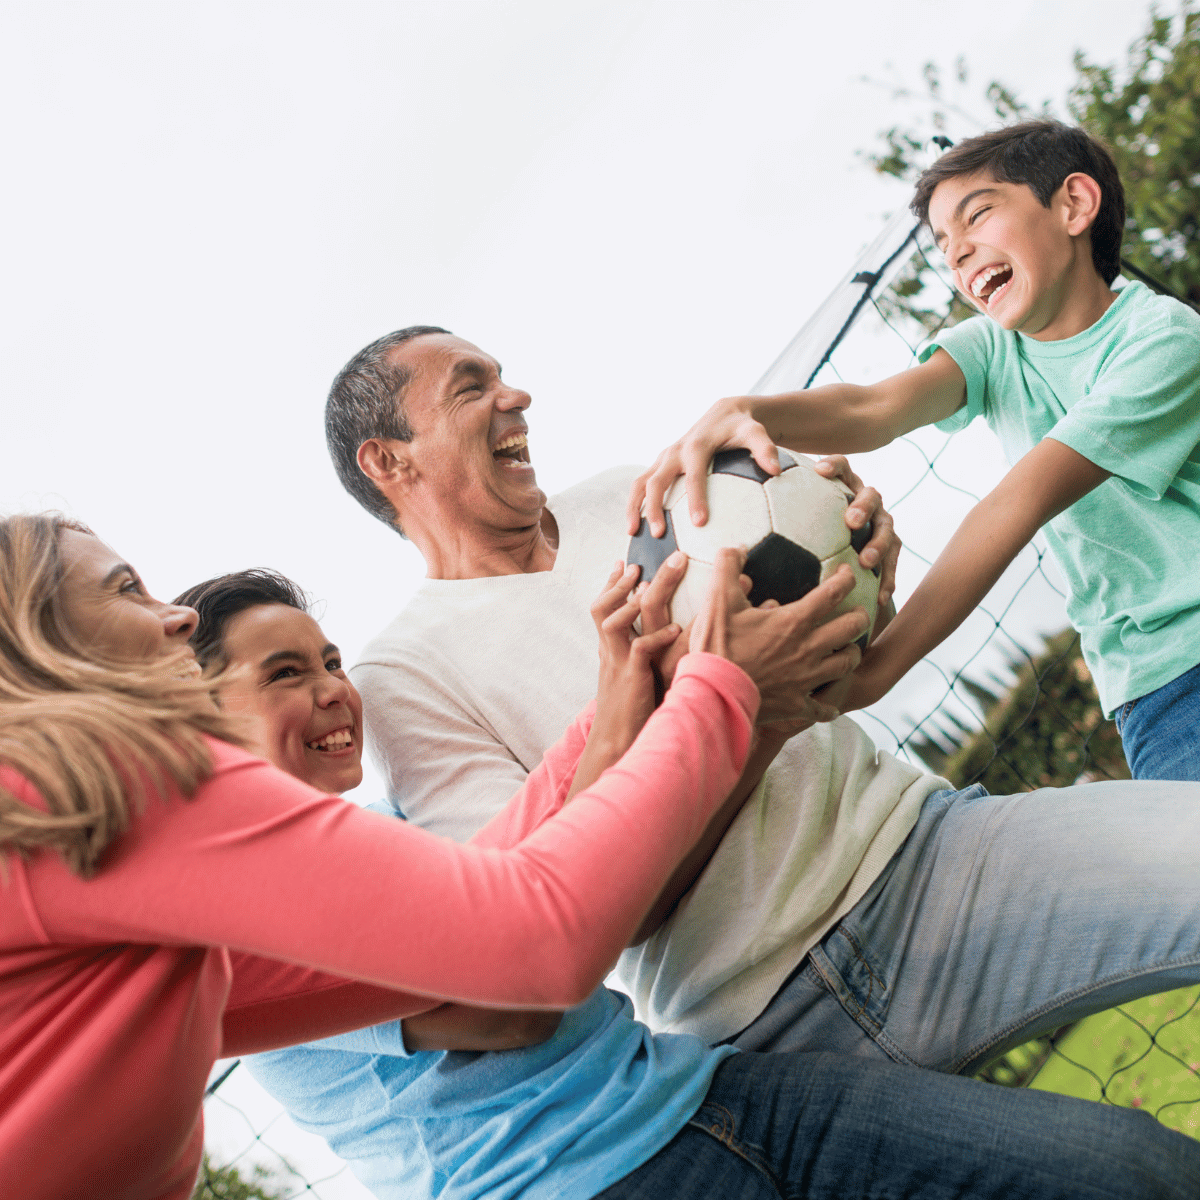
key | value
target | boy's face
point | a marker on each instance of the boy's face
(1012, 258)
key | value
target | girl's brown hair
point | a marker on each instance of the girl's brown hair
(89, 734)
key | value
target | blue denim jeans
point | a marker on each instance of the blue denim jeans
(1000, 918)
(1161, 730)
(831, 1127)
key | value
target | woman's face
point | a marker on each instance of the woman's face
(305, 715)
(109, 609)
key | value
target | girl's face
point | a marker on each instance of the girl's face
(305, 715)
(109, 609)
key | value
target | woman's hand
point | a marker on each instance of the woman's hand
(788, 650)
(628, 689)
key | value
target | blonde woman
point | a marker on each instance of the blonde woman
(168, 897)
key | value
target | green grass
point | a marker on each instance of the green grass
(1142, 1055)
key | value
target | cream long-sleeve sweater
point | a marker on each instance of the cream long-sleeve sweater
(469, 685)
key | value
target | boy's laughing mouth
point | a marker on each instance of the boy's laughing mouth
(990, 282)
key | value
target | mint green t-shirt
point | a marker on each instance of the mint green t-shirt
(1124, 393)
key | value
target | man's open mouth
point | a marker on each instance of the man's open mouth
(988, 283)
(513, 451)
(339, 739)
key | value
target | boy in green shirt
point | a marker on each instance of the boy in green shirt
(1095, 395)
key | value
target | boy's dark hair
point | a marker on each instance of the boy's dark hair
(365, 402)
(219, 600)
(1039, 154)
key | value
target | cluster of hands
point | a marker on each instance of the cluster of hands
(801, 658)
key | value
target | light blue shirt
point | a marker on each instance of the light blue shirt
(558, 1121)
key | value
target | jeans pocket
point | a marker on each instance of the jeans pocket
(1122, 715)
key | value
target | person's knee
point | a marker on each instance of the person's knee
(1136, 1155)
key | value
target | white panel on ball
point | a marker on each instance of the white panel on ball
(738, 516)
(689, 596)
(808, 509)
(866, 584)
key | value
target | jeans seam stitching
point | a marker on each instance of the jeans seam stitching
(725, 1137)
(846, 998)
(861, 1005)
(1094, 986)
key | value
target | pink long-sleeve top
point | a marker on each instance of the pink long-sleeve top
(209, 927)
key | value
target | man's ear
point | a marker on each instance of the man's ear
(1081, 198)
(386, 463)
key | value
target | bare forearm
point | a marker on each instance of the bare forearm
(973, 560)
(840, 418)
(766, 746)
(602, 751)
(1047, 480)
(462, 1027)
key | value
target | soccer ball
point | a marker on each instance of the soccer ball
(792, 525)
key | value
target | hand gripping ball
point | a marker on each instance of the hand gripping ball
(792, 525)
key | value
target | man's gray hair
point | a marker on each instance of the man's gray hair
(366, 401)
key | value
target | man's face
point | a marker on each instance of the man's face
(468, 448)
(1010, 255)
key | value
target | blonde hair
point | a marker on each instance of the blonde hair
(89, 734)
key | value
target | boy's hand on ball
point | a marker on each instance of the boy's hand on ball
(883, 549)
(727, 425)
(788, 650)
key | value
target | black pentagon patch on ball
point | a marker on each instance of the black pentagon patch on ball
(858, 539)
(650, 552)
(741, 462)
(781, 570)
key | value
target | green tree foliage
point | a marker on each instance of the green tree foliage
(1045, 730)
(228, 1183)
(1150, 117)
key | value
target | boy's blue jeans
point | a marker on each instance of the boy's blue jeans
(1002, 917)
(833, 1127)
(1161, 731)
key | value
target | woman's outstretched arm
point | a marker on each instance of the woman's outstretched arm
(259, 863)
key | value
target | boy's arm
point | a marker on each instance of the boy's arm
(1050, 478)
(840, 418)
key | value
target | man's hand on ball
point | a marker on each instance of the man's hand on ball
(883, 549)
(788, 650)
(728, 424)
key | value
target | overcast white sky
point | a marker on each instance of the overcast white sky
(208, 207)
